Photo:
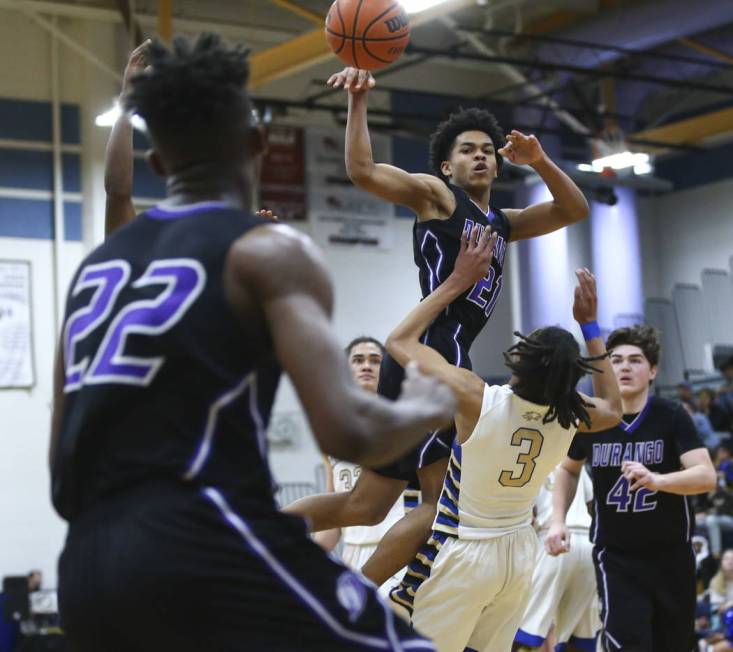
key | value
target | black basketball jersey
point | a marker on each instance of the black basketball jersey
(436, 244)
(160, 380)
(641, 519)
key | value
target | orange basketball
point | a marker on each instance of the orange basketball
(367, 34)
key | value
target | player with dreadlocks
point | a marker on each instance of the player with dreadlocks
(467, 151)
(468, 586)
(174, 337)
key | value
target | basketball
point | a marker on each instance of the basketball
(367, 34)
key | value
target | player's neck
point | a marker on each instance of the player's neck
(635, 403)
(195, 186)
(480, 198)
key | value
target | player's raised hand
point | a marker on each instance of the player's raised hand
(557, 541)
(639, 476)
(585, 305)
(136, 63)
(474, 256)
(522, 149)
(353, 80)
(430, 394)
(267, 214)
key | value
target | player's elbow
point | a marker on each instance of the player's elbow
(397, 347)
(360, 170)
(578, 211)
(710, 479)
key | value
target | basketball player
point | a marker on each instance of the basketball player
(643, 469)
(175, 332)
(563, 587)
(466, 154)
(468, 586)
(365, 356)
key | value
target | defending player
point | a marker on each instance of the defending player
(563, 587)
(642, 471)
(174, 336)
(466, 154)
(359, 542)
(468, 587)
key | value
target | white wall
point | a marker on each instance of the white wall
(31, 535)
(688, 231)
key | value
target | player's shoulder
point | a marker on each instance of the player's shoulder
(664, 407)
(495, 396)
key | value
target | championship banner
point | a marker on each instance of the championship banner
(340, 213)
(282, 186)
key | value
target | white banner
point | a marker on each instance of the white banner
(340, 213)
(16, 329)
(339, 228)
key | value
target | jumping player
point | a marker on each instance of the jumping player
(468, 586)
(174, 335)
(466, 154)
(643, 469)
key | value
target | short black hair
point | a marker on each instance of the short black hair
(363, 339)
(471, 119)
(548, 365)
(643, 336)
(193, 95)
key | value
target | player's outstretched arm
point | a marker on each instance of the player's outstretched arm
(118, 158)
(278, 275)
(563, 494)
(605, 407)
(568, 203)
(404, 343)
(328, 539)
(419, 192)
(697, 476)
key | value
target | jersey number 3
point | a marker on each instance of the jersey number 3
(181, 281)
(526, 460)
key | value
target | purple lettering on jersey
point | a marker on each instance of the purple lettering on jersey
(108, 278)
(184, 280)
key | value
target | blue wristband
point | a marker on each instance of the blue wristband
(590, 330)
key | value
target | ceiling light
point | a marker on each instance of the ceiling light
(108, 118)
(620, 160)
(415, 6)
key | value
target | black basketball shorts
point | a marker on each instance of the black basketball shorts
(192, 569)
(647, 598)
(436, 445)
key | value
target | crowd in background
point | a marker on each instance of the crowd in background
(712, 412)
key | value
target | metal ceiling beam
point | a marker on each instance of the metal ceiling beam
(690, 130)
(627, 52)
(312, 48)
(579, 70)
(296, 9)
(339, 111)
(147, 21)
(165, 20)
(706, 49)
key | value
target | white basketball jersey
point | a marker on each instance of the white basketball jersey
(495, 476)
(345, 475)
(578, 517)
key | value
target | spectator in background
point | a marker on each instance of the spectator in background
(718, 517)
(703, 426)
(714, 412)
(724, 465)
(724, 399)
(706, 566)
(685, 394)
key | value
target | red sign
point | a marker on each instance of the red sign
(282, 187)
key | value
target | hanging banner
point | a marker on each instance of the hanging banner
(282, 186)
(340, 213)
(16, 328)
